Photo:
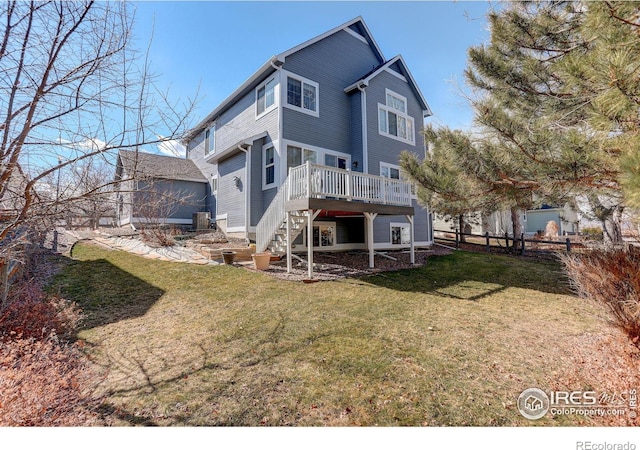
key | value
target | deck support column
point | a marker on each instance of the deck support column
(369, 218)
(311, 216)
(289, 259)
(411, 233)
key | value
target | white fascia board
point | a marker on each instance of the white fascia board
(217, 156)
(427, 111)
(385, 67)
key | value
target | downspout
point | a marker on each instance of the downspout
(277, 65)
(365, 145)
(247, 189)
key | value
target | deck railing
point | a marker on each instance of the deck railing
(315, 181)
(272, 218)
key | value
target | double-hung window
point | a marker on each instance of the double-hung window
(269, 166)
(393, 120)
(296, 156)
(266, 97)
(302, 94)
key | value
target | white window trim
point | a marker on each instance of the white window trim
(400, 225)
(303, 80)
(411, 139)
(321, 224)
(207, 140)
(276, 95)
(414, 191)
(266, 186)
(391, 166)
(214, 191)
(320, 152)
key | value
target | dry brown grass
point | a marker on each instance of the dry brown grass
(451, 343)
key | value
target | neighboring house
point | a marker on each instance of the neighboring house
(13, 199)
(157, 189)
(316, 133)
(499, 222)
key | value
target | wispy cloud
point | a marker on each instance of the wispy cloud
(84, 145)
(171, 147)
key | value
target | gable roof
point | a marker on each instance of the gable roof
(399, 62)
(355, 27)
(159, 166)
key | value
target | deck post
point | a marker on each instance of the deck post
(310, 243)
(311, 216)
(308, 180)
(370, 217)
(411, 233)
(289, 259)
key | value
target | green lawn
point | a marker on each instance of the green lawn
(451, 343)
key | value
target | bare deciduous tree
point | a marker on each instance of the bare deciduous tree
(71, 90)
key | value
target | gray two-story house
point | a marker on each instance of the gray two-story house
(304, 153)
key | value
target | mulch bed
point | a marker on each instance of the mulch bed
(337, 265)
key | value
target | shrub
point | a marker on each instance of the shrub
(43, 383)
(158, 236)
(30, 313)
(610, 277)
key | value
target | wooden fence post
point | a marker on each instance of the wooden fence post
(568, 245)
(522, 241)
(506, 239)
(486, 235)
(457, 240)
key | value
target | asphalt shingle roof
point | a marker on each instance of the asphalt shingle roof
(160, 166)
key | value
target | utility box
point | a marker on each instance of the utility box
(201, 220)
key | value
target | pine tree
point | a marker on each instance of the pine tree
(555, 95)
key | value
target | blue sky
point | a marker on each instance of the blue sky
(218, 45)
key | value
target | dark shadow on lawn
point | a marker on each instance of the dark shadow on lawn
(473, 276)
(106, 293)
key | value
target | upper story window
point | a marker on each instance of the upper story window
(393, 120)
(302, 94)
(266, 97)
(210, 140)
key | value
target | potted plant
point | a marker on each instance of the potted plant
(261, 260)
(228, 256)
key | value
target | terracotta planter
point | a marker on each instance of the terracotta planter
(261, 260)
(228, 257)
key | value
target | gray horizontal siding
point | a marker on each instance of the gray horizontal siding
(231, 200)
(239, 122)
(334, 63)
(382, 148)
(173, 199)
(260, 199)
(382, 226)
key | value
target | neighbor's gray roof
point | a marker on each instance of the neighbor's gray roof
(159, 166)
